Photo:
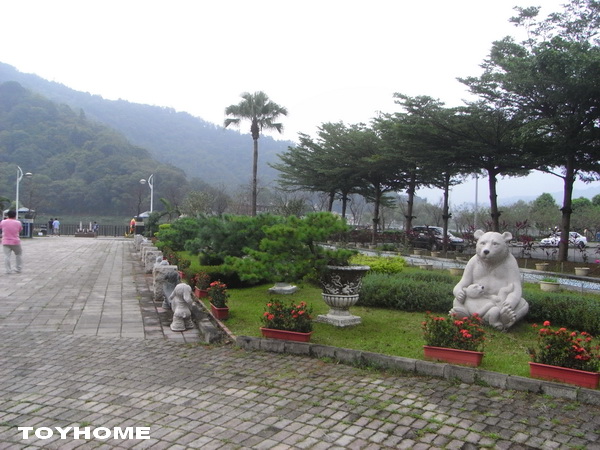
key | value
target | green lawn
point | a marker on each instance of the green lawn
(381, 331)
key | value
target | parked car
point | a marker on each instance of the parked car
(432, 238)
(575, 239)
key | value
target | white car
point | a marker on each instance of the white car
(575, 239)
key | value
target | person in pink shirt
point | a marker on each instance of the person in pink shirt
(11, 242)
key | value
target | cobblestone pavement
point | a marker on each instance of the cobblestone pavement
(83, 346)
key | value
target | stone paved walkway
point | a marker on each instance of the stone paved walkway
(82, 346)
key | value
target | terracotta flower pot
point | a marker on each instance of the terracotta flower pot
(286, 335)
(453, 355)
(219, 313)
(200, 293)
(571, 376)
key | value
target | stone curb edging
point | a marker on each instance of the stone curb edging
(426, 368)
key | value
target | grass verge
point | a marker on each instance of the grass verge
(383, 331)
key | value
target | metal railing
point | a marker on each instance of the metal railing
(69, 229)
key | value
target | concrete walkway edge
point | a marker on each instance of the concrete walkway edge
(411, 366)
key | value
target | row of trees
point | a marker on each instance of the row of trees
(538, 109)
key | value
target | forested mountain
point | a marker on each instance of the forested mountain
(217, 156)
(78, 166)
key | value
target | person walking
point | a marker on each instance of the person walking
(56, 227)
(50, 226)
(11, 242)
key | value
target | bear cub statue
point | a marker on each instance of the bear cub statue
(491, 283)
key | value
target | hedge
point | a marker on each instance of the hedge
(432, 291)
(407, 292)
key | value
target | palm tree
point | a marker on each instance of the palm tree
(262, 114)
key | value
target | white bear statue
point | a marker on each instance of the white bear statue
(491, 283)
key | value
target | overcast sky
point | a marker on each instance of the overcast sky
(324, 60)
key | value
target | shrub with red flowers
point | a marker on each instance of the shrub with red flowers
(290, 317)
(201, 280)
(217, 294)
(452, 331)
(564, 348)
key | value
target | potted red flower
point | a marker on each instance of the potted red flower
(569, 356)
(200, 281)
(287, 321)
(218, 295)
(453, 339)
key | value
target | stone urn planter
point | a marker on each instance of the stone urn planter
(453, 355)
(541, 266)
(341, 287)
(418, 252)
(571, 376)
(582, 271)
(436, 254)
(426, 266)
(549, 286)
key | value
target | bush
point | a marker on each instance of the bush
(406, 293)
(432, 276)
(176, 234)
(219, 237)
(569, 309)
(380, 264)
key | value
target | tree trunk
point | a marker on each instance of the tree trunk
(569, 179)
(494, 201)
(254, 177)
(445, 209)
(330, 202)
(344, 204)
(410, 201)
(376, 215)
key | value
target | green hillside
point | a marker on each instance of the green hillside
(204, 150)
(78, 165)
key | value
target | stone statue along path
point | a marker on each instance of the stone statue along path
(82, 345)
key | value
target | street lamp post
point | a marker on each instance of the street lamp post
(150, 182)
(19, 178)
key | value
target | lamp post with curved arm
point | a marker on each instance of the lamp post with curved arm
(19, 178)
(150, 182)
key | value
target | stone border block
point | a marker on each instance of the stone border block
(560, 390)
(523, 384)
(248, 342)
(589, 396)
(272, 345)
(297, 348)
(348, 356)
(322, 351)
(389, 362)
(462, 373)
(431, 369)
(494, 379)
